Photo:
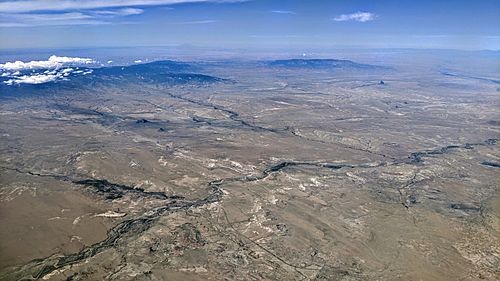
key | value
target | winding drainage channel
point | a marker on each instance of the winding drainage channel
(135, 226)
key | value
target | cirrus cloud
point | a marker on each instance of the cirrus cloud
(283, 12)
(26, 13)
(358, 16)
(65, 18)
(197, 22)
(120, 12)
(70, 18)
(25, 6)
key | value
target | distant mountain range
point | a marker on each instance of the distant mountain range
(323, 64)
(167, 72)
(162, 72)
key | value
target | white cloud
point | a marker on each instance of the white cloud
(359, 16)
(55, 70)
(283, 12)
(24, 6)
(33, 79)
(71, 60)
(120, 12)
(52, 62)
(66, 72)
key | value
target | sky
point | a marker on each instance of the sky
(252, 24)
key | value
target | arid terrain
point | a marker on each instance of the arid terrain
(253, 170)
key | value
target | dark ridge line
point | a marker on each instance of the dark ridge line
(114, 191)
(490, 164)
(197, 119)
(144, 222)
(294, 133)
(367, 85)
(470, 77)
(233, 115)
(103, 118)
(104, 188)
(416, 157)
(80, 110)
(334, 166)
(465, 207)
(359, 117)
(54, 176)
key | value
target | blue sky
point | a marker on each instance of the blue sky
(283, 24)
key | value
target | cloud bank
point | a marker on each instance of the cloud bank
(33, 79)
(41, 78)
(53, 69)
(359, 16)
(52, 62)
